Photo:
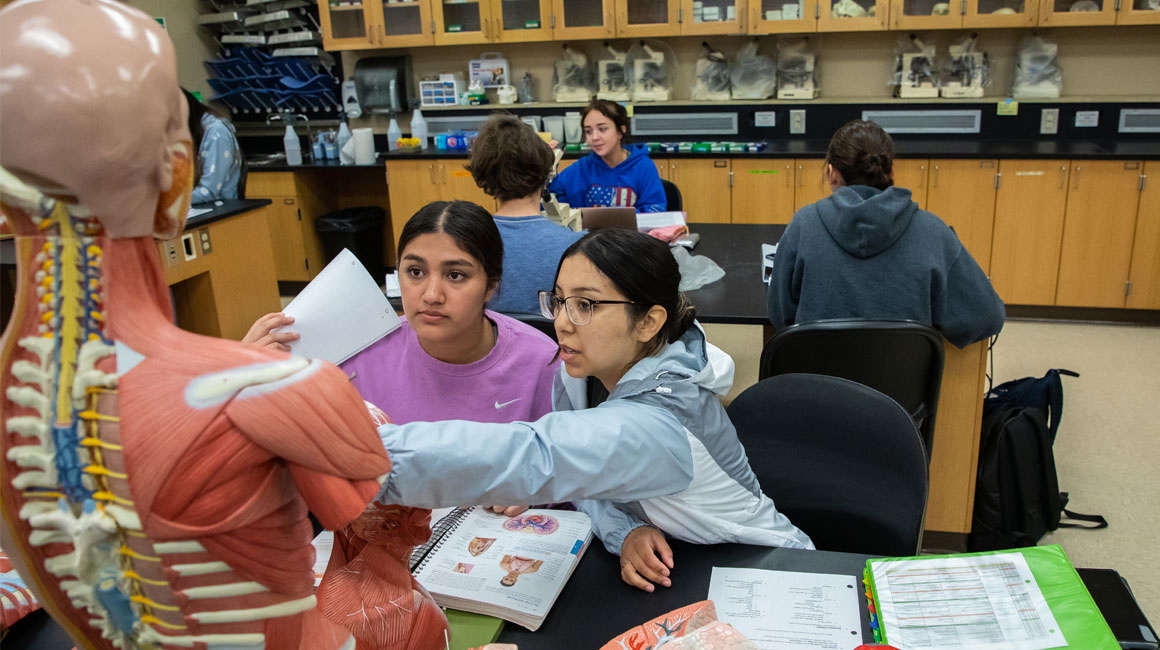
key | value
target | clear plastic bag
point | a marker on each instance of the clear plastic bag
(797, 70)
(967, 71)
(527, 89)
(1037, 75)
(753, 75)
(612, 75)
(651, 70)
(696, 270)
(915, 74)
(711, 78)
(572, 81)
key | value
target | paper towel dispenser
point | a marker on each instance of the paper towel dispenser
(384, 84)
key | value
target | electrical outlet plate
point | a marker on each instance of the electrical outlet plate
(1049, 121)
(797, 121)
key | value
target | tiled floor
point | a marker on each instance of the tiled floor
(1108, 442)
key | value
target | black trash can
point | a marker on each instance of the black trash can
(360, 230)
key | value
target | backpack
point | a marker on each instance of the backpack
(1017, 497)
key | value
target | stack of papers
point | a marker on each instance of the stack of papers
(647, 221)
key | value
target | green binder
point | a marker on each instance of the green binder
(1075, 612)
(469, 630)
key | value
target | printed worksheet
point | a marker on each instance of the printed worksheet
(987, 602)
(787, 610)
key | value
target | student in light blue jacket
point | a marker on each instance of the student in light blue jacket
(613, 174)
(660, 454)
(219, 160)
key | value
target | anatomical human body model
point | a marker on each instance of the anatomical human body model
(156, 483)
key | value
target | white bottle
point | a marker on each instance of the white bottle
(293, 146)
(393, 135)
(343, 138)
(419, 128)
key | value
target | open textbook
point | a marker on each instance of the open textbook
(340, 312)
(509, 567)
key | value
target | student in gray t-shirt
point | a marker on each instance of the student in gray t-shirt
(511, 163)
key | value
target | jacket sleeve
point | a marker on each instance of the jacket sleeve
(650, 191)
(559, 184)
(967, 309)
(785, 285)
(622, 450)
(217, 149)
(609, 523)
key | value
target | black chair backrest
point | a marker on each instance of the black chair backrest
(672, 196)
(843, 461)
(242, 178)
(903, 359)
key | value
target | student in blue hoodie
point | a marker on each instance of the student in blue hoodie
(613, 174)
(867, 251)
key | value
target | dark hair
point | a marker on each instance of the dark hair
(509, 160)
(196, 110)
(863, 154)
(469, 225)
(612, 111)
(643, 269)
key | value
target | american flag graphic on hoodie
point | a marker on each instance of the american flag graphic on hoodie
(609, 196)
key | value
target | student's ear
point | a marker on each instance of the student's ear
(651, 323)
(491, 289)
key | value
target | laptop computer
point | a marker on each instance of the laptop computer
(596, 218)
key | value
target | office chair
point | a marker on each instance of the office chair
(242, 178)
(903, 359)
(672, 196)
(843, 461)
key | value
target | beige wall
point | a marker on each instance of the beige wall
(193, 43)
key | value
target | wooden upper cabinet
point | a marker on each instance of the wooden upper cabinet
(782, 16)
(580, 19)
(1098, 229)
(463, 22)
(349, 26)
(1029, 209)
(762, 190)
(1056, 13)
(713, 16)
(635, 18)
(852, 15)
(522, 21)
(810, 184)
(912, 173)
(1138, 12)
(962, 194)
(704, 186)
(1001, 13)
(926, 14)
(1144, 292)
(404, 24)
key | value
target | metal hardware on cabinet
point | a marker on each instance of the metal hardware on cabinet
(288, 201)
(1062, 176)
(552, 21)
(431, 171)
(306, 262)
(498, 28)
(720, 163)
(1127, 288)
(963, 8)
(432, 25)
(998, 177)
(934, 181)
(299, 211)
(1117, 7)
(730, 179)
(1076, 185)
(681, 15)
(817, 12)
(788, 173)
(483, 27)
(1131, 165)
(1143, 181)
(443, 171)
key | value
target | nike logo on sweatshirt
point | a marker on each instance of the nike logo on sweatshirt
(499, 406)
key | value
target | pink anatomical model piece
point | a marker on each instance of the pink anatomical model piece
(156, 483)
(693, 627)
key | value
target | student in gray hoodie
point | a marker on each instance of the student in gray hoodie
(867, 251)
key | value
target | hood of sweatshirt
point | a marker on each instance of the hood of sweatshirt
(865, 221)
(636, 153)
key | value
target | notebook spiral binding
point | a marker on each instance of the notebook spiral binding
(439, 532)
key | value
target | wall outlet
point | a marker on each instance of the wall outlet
(1049, 121)
(797, 121)
(170, 248)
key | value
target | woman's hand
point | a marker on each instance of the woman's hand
(509, 511)
(645, 558)
(260, 333)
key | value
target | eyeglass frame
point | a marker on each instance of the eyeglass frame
(542, 295)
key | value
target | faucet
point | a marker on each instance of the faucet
(291, 118)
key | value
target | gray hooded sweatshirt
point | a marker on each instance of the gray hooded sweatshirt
(872, 254)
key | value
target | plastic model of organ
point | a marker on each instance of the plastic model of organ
(156, 483)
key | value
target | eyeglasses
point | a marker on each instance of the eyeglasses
(579, 308)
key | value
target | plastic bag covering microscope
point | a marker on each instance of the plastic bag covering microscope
(156, 483)
(611, 74)
(711, 82)
(652, 76)
(573, 78)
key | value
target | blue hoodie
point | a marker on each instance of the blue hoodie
(591, 183)
(868, 253)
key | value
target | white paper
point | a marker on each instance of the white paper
(652, 220)
(392, 285)
(985, 602)
(767, 253)
(788, 610)
(197, 212)
(323, 545)
(340, 312)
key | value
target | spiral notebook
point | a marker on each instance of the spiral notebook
(508, 567)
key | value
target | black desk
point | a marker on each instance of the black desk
(222, 209)
(739, 297)
(596, 605)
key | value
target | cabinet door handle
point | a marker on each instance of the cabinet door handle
(1062, 175)
(801, 175)
(498, 28)
(934, 181)
(731, 179)
(443, 171)
(483, 27)
(1076, 185)
(431, 171)
(788, 174)
(921, 175)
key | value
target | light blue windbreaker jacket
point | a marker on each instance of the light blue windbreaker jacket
(661, 450)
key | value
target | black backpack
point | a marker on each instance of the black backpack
(1017, 497)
